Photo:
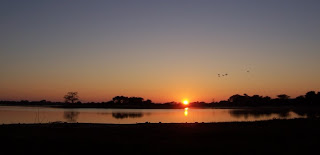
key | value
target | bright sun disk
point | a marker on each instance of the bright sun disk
(185, 102)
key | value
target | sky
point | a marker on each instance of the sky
(166, 50)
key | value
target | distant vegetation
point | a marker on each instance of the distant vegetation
(72, 100)
(310, 98)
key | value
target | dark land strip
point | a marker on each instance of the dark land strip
(297, 136)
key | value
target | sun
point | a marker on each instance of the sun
(185, 102)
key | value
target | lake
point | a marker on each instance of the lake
(19, 114)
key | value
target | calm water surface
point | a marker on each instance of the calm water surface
(16, 114)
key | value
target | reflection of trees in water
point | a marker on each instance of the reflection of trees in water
(310, 113)
(71, 116)
(257, 113)
(122, 115)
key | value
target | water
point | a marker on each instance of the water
(16, 114)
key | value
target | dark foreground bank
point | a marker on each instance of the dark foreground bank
(298, 136)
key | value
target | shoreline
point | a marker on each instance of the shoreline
(294, 136)
(307, 107)
(77, 124)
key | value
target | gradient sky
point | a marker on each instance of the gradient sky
(159, 50)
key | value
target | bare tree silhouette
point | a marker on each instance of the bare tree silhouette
(71, 97)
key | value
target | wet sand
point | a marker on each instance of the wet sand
(298, 136)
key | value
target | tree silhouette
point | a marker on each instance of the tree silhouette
(148, 102)
(130, 100)
(311, 97)
(136, 100)
(120, 99)
(234, 98)
(283, 97)
(71, 97)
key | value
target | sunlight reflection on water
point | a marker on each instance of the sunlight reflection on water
(186, 111)
(15, 114)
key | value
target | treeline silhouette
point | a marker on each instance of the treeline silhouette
(311, 98)
(131, 100)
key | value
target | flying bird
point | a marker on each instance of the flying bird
(225, 74)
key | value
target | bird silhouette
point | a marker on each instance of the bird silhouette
(225, 74)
